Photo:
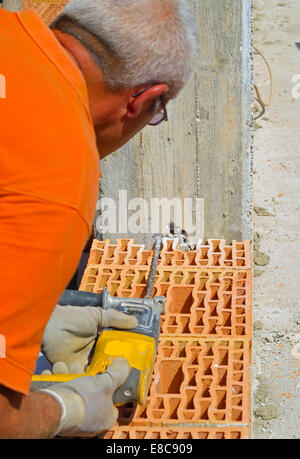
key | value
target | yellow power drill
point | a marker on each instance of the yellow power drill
(138, 346)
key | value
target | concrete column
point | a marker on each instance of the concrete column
(13, 5)
(205, 149)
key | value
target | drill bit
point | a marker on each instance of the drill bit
(158, 241)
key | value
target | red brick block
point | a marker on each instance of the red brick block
(186, 433)
(202, 371)
(212, 256)
(198, 302)
(196, 381)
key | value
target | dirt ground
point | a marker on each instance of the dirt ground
(276, 357)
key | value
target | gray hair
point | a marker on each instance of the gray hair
(145, 41)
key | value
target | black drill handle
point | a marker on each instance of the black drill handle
(80, 298)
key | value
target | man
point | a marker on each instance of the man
(80, 89)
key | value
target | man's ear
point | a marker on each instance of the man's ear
(136, 104)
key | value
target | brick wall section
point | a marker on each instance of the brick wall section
(211, 433)
(202, 371)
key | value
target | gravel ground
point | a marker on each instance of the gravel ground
(276, 347)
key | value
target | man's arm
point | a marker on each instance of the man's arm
(36, 415)
(82, 407)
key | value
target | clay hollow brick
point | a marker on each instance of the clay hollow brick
(186, 433)
(213, 255)
(198, 302)
(202, 368)
(196, 381)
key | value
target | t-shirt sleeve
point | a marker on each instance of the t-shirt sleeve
(40, 247)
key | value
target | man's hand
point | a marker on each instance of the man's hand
(86, 403)
(71, 333)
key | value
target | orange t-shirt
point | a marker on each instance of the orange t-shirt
(49, 175)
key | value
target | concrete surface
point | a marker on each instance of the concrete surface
(204, 151)
(276, 190)
(13, 5)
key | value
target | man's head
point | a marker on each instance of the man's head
(135, 56)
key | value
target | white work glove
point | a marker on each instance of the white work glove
(86, 403)
(71, 333)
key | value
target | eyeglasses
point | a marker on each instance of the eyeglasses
(160, 116)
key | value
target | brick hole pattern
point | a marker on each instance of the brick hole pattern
(201, 374)
(213, 433)
(214, 255)
(194, 381)
(207, 303)
(198, 302)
